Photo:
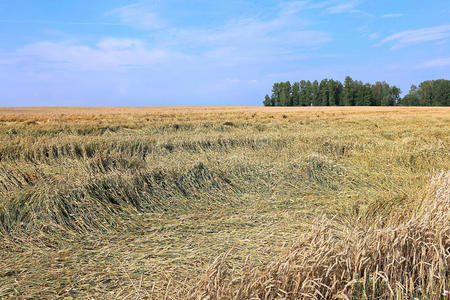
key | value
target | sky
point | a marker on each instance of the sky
(203, 52)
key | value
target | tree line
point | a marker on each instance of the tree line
(428, 93)
(331, 92)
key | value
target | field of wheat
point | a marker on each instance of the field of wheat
(225, 203)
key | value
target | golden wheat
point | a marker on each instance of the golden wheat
(293, 202)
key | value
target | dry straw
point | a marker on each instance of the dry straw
(121, 203)
(409, 259)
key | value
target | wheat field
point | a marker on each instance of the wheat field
(225, 203)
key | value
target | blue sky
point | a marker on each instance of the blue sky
(199, 52)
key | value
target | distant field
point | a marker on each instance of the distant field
(224, 202)
(204, 109)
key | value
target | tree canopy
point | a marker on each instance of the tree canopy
(429, 93)
(329, 92)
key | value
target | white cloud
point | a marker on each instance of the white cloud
(339, 7)
(47, 22)
(374, 36)
(363, 29)
(10, 59)
(437, 63)
(138, 16)
(292, 7)
(392, 15)
(246, 40)
(228, 84)
(252, 35)
(250, 40)
(441, 42)
(345, 7)
(321, 4)
(236, 41)
(115, 44)
(411, 37)
(109, 54)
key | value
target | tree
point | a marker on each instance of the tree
(334, 92)
(285, 94)
(380, 90)
(387, 101)
(441, 92)
(284, 98)
(303, 96)
(275, 99)
(348, 92)
(309, 93)
(315, 93)
(395, 95)
(267, 101)
(358, 93)
(323, 93)
(412, 98)
(296, 94)
(363, 94)
(288, 89)
(354, 92)
(426, 93)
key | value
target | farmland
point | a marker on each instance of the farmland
(224, 202)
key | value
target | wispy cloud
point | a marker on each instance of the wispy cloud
(411, 37)
(336, 6)
(292, 7)
(362, 28)
(59, 22)
(374, 36)
(321, 4)
(120, 44)
(398, 15)
(237, 40)
(240, 41)
(436, 63)
(249, 39)
(345, 7)
(108, 54)
(246, 34)
(139, 16)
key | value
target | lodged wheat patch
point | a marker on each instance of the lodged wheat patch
(224, 203)
(387, 259)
